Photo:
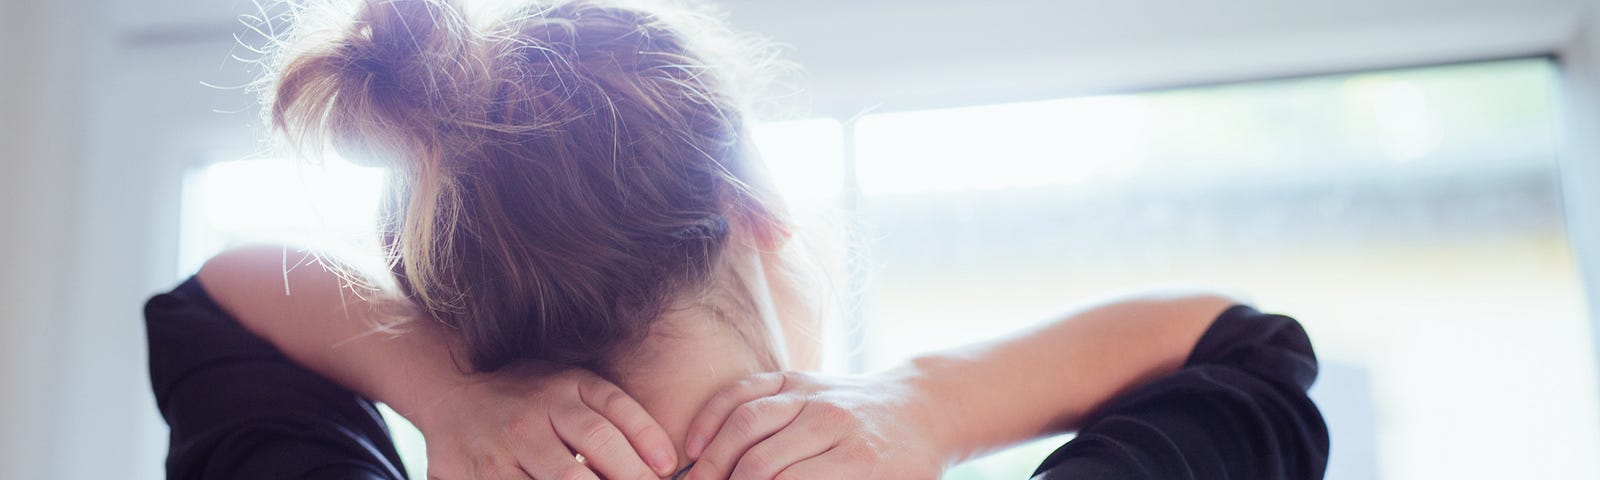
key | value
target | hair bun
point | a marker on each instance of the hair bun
(386, 88)
(408, 39)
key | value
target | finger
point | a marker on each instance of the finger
(715, 413)
(806, 437)
(600, 443)
(840, 461)
(494, 467)
(815, 468)
(504, 472)
(748, 425)
(541, 458)
(556, 464)
(462, 466)
(649, 440)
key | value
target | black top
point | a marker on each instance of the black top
(1236, 410)
(239, 409)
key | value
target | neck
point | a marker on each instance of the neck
(691, 354)
(685, 361)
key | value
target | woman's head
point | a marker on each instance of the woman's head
(562, 172)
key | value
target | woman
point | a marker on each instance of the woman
(587, 259)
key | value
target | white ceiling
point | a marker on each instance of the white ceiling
(904, 54)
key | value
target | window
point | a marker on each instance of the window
(332, 205)
(1411, 219)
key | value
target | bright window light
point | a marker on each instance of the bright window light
(330, 206)
(1411, 219)
(1060, 142)
(805, 159)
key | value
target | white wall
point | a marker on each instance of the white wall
(39, 108)
(1580, 157)
(100, 112)
(902, 54)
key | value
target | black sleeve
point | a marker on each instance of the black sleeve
(239, 409)
(1236, 410)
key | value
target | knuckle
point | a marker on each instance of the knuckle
(746, 417)
(709, 464)
(747, 381)
(834, 414)
(786, 380)
(587, 387)
(596, 388)
(761, 381)
(746, 385)
(575, 472)
(859, 452)
(760, 461)
(599, 433)
(613, 400)
(642, 433)
(485, 466)
(521, 428)
(482, 463)
(503, 471)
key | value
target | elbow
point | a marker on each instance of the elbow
(1188, 301)
(257, 278)
(246, 268)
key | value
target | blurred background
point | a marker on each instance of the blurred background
(1418, 181)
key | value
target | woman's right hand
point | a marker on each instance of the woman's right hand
(528, 421)
(793, 425)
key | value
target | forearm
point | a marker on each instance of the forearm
(307, 312)
(1046, 380)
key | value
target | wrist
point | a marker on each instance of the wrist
(426, 404)
(418, 382)
(934, 387)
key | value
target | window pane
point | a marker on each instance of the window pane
(806, 159)
(332, 205)
(1410, 219)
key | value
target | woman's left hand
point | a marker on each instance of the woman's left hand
(800, 426)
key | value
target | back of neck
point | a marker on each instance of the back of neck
(685, 361)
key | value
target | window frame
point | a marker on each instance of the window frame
(124, 207)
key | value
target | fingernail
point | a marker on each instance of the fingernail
(662, 462)
(697, 442)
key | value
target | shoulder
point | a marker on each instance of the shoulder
(1188, 309)
(258, 280)
(250, 266)
(1186, 301)
(245, 277)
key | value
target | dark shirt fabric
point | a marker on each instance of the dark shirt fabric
(239, 409)
(1237, 409)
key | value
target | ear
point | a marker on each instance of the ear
(772, 235)
(766, 218)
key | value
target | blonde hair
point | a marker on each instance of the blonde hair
(561, 171)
